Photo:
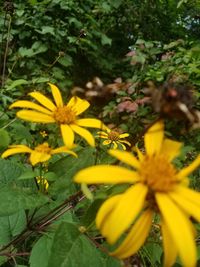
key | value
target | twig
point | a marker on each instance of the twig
(6, 51)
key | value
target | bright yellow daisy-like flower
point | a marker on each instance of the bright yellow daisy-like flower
(65, 115)
(114, 138)
(157, 187)
(40, 153)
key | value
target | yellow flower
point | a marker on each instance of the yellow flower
(156, 187)
(43, 134)
(40, 153)
(42, 182)
(66, 116)
(114, 138)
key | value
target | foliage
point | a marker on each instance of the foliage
(145, 44)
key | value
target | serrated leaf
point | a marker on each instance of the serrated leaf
(10, 226)
(66, 168)
(15, 199)
(41, 251)
(71, 248)
(9, 172)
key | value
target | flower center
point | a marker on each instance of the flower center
(113, 136)
(158, 173)
(43, 148)
(64, 115)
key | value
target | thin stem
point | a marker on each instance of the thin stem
(46, 220)
(6, 51)
(5, 126)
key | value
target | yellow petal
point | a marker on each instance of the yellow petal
(139, 153)
(102, 133)
(105, 209)
(189, 194)
(106, 142)
(102, 136)
(128, 208)
(115, 146)
(79, 105)
(123, 146)
(189, 169)
(153, 138)
(29, 104)
(136, 238)
(43, 100)
(56, 95)
(63, 149)
(125, 157)
(93, 123)
(125, 142)
(124, 135)
(180, 229)
(34, 116)
(84, 133)
(106, 174)
(67, 135)
(15, 150)
(171, 148)
(37, 157)
(170, 249)
(193, 209)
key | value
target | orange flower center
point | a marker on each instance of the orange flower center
(64, 115)
(158, 173)
(113, 136)
(43, 148)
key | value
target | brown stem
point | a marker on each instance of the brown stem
(6, 51)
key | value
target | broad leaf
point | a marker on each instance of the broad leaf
(71, 248)
(15, 199)
(10, 226)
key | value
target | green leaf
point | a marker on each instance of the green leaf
(27, 175)
(9, 172)
(50, 176)
(71, 248)
(66, 168)
(105, 40)
(4, 138)
(15, 199)
(40, 80)
(66, 61)
(116, 3)
(10, 226)
(16, 83)
(91, 212)
(48, 29)
(41, 251)
(154, 252)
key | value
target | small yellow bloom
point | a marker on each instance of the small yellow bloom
(43, 134)
(114, 138)
(42, 182)
(66, 116)
(40, 153)
(156, 187)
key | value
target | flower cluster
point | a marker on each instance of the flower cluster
(66, 116)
